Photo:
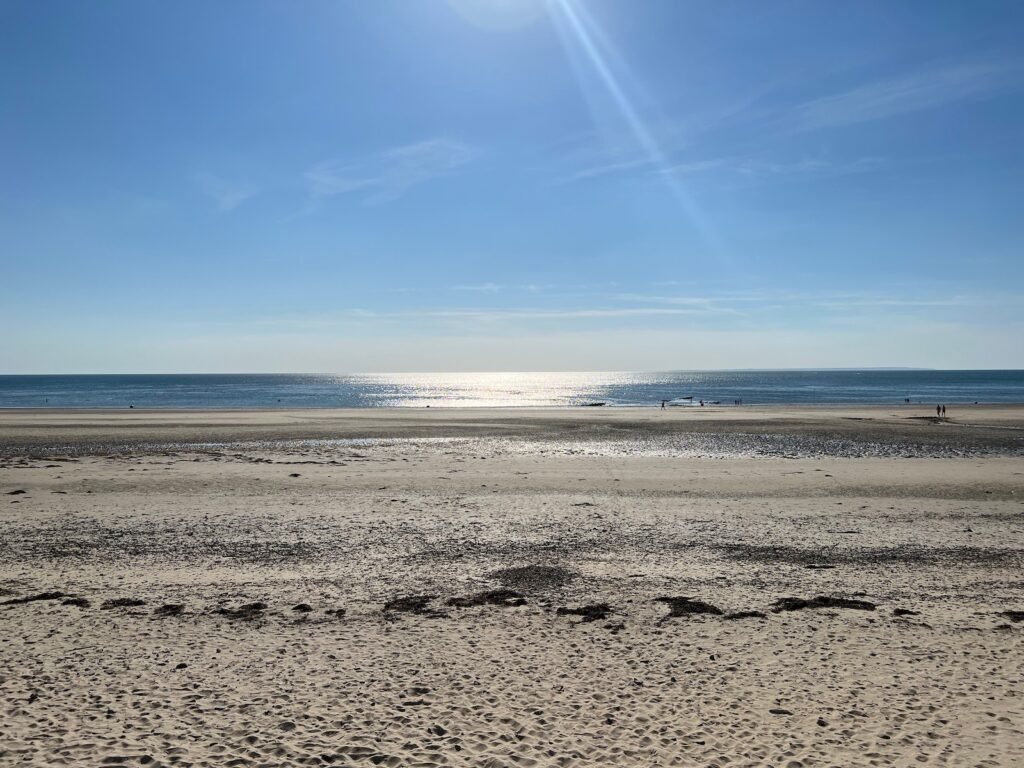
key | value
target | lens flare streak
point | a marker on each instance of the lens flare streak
(570, 15)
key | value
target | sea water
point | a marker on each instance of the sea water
(678, 388)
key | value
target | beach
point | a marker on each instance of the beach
(741, 586)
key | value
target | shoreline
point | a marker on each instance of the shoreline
(721, 407)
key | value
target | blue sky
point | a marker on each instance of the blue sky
(510, 185)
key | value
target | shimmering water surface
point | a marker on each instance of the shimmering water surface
(507, 389)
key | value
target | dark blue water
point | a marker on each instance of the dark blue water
(508, 389)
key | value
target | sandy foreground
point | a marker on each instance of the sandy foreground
(513, 588)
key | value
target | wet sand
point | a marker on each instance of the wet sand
(787, 587)
(29, 428)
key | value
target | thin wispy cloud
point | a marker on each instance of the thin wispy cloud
(390, 174)
(808, 167)
(722, 305)
(834, 301)
(740, 168)
(645, 165)
(605, 169)
(479, 288)
(485, 315)
(693, 301)
(738, 312)
(705, 153)
(693, 167)
(420, 317)
(225, 193)
(928, 89)
(896, 303)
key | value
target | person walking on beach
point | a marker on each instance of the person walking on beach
(938, 411)
(943, 411)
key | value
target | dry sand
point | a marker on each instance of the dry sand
(376, 520)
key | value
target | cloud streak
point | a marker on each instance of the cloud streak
(226, 194)
(743, 168)
(806, 300)
(742, 150)
(390, 174)
(929, 89)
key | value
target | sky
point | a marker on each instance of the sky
(469, 185)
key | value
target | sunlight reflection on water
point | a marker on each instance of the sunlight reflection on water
(500, 390)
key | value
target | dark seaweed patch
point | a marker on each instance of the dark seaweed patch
(506, 598)
(686, 606)
(825, 557)
(122, 602)
(593, 612)
(34, 598)
(534, 577)
(171, 609)
(418, 604)
(745, 615)
(799, 604)
(247, 612)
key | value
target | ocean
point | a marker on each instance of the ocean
(411, 390)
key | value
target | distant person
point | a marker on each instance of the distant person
(701, 403)
(938, 411)
(663, 405)
(943, 411)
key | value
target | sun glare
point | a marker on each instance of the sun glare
(581, 35)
